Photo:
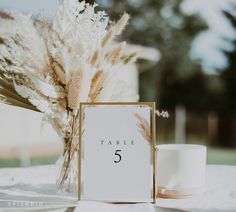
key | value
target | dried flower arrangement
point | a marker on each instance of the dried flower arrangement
(51, 68)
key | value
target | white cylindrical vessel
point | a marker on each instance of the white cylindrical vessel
(180, 170)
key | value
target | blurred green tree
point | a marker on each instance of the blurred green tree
(226, 106)
(162, 25)
(176, 79)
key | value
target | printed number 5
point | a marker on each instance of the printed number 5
(118, 155)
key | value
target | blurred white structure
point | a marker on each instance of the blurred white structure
(21, 135)
(180, 124)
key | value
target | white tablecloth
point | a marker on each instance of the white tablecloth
(34, 189)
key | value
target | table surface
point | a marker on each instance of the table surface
(34, 189)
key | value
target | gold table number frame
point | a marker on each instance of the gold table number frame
(81, 150)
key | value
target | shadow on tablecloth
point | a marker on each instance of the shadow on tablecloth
(45, 197)
(32, 197)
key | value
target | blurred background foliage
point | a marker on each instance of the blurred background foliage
(178, 78)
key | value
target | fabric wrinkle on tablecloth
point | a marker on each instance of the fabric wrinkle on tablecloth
(35, 187)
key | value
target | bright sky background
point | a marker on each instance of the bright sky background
(44, 7)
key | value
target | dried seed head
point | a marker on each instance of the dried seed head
(79, 83)
(59, 72)
(95, 57)
(97, 84)
(121, 24)
(116, 53)
(108, 37)
(144, 127)
(130, 58)
(74, 88)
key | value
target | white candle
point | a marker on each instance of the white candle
(180, 170)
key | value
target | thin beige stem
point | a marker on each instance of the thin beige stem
(70, 150)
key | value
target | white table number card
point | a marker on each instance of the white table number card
(117, 152)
